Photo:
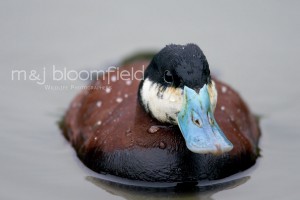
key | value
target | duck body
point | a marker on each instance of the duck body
(113, 134)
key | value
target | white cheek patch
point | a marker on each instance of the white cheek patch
(163, 104)
(213, 95)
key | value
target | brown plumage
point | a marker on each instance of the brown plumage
(112, 134)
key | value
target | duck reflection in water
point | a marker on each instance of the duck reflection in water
(186, 191)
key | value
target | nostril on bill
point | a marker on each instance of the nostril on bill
(211, 121)
(198, 123)
(196, 120)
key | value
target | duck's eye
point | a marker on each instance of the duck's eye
(168, 77)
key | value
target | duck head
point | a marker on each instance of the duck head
(177, 89)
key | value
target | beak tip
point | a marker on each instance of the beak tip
(215, 149)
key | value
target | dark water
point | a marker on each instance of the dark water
(254, 46)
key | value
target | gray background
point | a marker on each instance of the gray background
(252, 45)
